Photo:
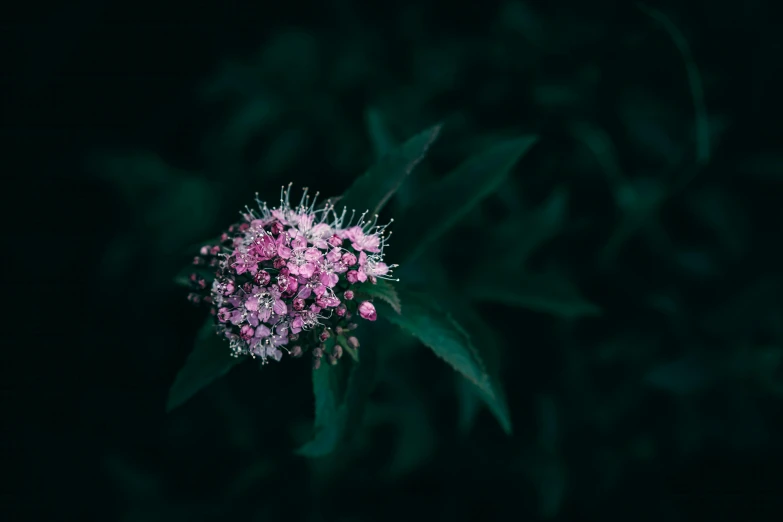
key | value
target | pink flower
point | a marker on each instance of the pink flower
(371, 266)
(367, 311)
(277, 271)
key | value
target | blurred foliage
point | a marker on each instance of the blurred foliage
(620, 280)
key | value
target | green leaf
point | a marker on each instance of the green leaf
(545, 292)
(338, 412)
(442, 334)
(444, 204)
(328, 424)
(488, 345)
(439, 331)
(540, 225)
(381, 137)
(376, 186)
(694, 81)
(209, 360)
(382, 290)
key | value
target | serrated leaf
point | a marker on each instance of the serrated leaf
(338, 412)
(375, 187)
(444, 204)
(328, 423)
(382, 290)
(488, 345)
(442, 334)
(544, 292)
(209, 360)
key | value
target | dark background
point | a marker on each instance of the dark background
(146, 126)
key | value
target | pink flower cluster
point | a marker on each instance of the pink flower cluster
(285, 276)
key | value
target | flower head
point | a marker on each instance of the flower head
(288, 273)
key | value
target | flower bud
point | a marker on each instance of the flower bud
(324, 335)
(335, 241)
(337, 351)
(332, 359)
(348, 295)
(298, 304)
(353, 342)
(262, 278)
(296, 351)
(246, 332)
(316, 364)
(352, 276)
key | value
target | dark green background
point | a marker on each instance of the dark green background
(150, 125)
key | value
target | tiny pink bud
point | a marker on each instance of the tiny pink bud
(223, 237)
(337, 351)
(285, 271)
(367, 311)
(279, 262)
(213, 311)
(298, 304)
(335, 241)
(341, 310)
(316, 364)
(349, 259)
(338, 330)
(204, 250)
(262, 278)
(348, 295)
(215, 250)
(223, 314)
(353, 341)
(324, 335)
(332, 359)
(276, 228)
(246, 332)
(244, 226)
(197, 260)
(352, 276)
(318, 352)
(202, 283)
(296, 351)
(194, 277)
